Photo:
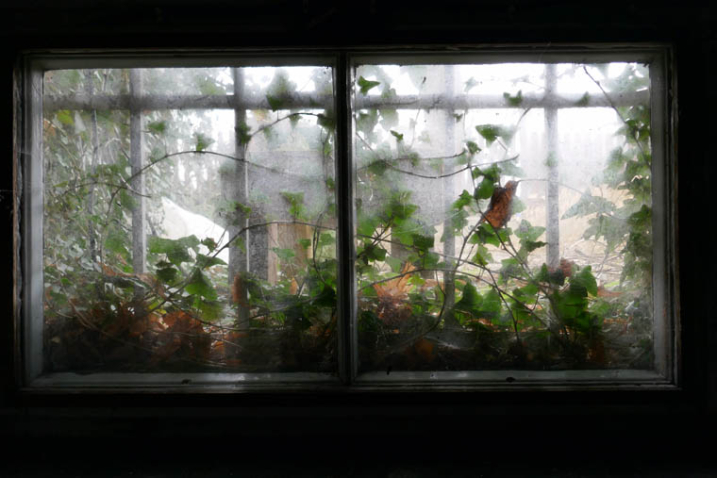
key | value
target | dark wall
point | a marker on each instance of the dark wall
(652, 424)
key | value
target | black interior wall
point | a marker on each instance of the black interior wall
(542, 425)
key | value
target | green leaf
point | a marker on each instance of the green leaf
(485, 189)
(204, 262)
(471, 300)
(366, 85)
(367, 224)
(202, 142)
(489, 132)
(463, 200)
(326, 239)
(374, 253)
(284, 255)
(326, 122)
(242, 130)
(491, 303)
(398, 136)
(167, 274)
(513, 100)
(296, 203)
(115, 242)
(528, 232)
(472, 147)
(65, 117)
(200, 285)
(157, 127)
(482, 255)
(584, 100)
(422, 243)
(305, 243)
(275, 102)
(584, 280)
(175, 249)
(211, 309)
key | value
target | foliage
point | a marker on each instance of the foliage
(421, 305)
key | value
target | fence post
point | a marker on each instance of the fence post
(449, 245)
(553, 204)
(238, 258)
(139, 237)
(94, 162)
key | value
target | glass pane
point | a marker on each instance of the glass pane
(503, 217)
(180, 239)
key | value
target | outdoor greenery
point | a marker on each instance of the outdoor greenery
(421, 305)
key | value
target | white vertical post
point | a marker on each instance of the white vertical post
(94, 161)
(238, 258)
(553, 191)
(449, 244)
(139, 237)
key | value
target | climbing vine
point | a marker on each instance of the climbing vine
(486, 301)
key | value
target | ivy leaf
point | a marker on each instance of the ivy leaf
(65, 118)
(422, 243)
(463, 200)
(326, 122)
(204, 262)
(296, 203)
(584, 281)
(470, 84)
(284, 255)
(584, 100)
(275, 102)
(472, 147)
(491, 303)
(485, 189)
(115, 243)
(528, 232)
(471, 300)
(242, 130)
(366, 85)
(514, 100)
(175, 249)
(167, 274)
(492, 132)
(157, 127)
(199, 284)
(202, 142)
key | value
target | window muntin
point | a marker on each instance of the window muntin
(664, 293)
(506, 225)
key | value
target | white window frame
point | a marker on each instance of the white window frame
(664, 180)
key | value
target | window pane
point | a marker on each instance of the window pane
(503, 217)
(189, 220)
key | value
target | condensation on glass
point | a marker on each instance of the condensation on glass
(503, 217)
(189, 220)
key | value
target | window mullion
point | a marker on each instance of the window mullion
(345, 211)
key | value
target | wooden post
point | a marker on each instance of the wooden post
(553, 191)
(139, 217)
(94, 162)
(238, 256)
(449, 244)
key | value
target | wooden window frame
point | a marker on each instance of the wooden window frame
(665, 273)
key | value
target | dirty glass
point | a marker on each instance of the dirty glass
(189, 220)
(503, 216)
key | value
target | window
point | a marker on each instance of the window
(367, 220)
